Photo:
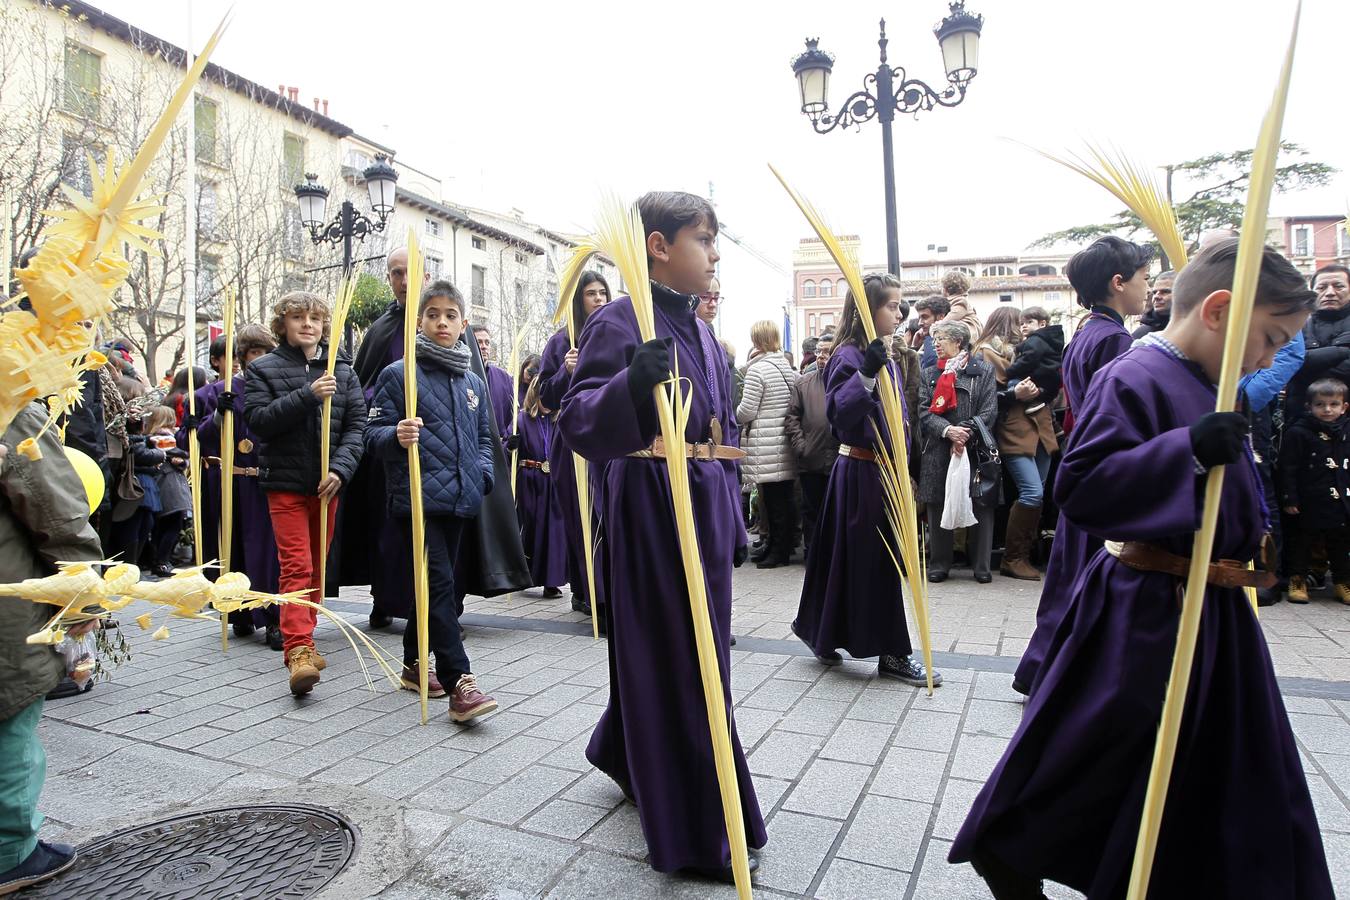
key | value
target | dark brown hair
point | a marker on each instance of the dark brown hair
(669, 211)
(851, 330)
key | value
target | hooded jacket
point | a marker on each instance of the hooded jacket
(281, 409)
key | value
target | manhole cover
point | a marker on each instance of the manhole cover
(282, 852)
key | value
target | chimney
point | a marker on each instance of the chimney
(316, 104)
(293, 93)
(325, 107)
(281, 91)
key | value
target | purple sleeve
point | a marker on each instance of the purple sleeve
(599, 419)
(848, 402)
(554, 378)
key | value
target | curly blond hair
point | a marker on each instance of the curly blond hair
(298, 301)
(955, 283)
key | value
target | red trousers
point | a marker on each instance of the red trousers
(295, 522)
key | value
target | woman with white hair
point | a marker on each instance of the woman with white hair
(770, 463)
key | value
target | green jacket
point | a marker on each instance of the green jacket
(44, 517)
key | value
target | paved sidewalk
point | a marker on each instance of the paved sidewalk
(863, 782)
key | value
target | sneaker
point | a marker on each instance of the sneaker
(1298, 589)
(1317, 581)
(467, 701)
(906, 669)
(1343, 592)
(274, 638)
(46, 861)
(304, 669)
(409, 681)
(726, 875)
(551, 593)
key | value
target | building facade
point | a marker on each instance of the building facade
(1312, 242)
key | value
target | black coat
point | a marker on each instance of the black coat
(1039, 357)
(1315, 472)
(1327, 337)
(281, 409)
(373, 354)
(85, 430)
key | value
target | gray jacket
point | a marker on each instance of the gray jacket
(976, 395)
(44, 517)
(808, 426)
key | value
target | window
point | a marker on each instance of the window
(477, 291)
(808, 288)
(1302, 240)
(208, 210)
(479, 243)
(520, 295)
(1005, 298)
(434, 263)
(292, 232)
(997, 271)
(826, 287)
(966, 269)
(204, 121)
(83, 81)
(826, 322)
(432, 226)
(811, 325)
(521, 258)
(1037, 270)
(75, 163)
(292, 161)
(208, 275)
(1343, 237)
(1052, 297)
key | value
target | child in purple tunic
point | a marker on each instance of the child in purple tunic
(543, 530)
(1065, 800)
(558, 362)
(653, 738)
(1111, 279)
(851, 596)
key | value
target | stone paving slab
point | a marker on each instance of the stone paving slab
(863, 782)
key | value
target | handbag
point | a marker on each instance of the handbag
(987, 466)
(129, 491)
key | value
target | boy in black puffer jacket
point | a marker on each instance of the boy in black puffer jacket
(455, 433)
(283, 405)
(1315, 488)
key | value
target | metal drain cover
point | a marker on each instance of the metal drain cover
(276, 851)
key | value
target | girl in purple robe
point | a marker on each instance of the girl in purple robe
(543, 530)
(1065, 800)
(851, 596)
(556, 366)
(1111, 279)
(653, 738)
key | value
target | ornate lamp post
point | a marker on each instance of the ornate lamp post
(888, 92)
(381, 180)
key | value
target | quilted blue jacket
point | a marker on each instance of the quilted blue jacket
(456, 440)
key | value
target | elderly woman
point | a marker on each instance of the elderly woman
(955, 392)
(769, 462)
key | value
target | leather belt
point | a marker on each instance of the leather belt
(251, 471)
(541, 465)
(857, 453)
(705, 451)
(1226, 573)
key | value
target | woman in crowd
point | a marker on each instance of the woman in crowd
(955, 392)
(770, 462)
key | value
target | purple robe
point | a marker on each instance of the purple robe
(1065, 800)
(554, 380)
(1097, 342)
(851, 595)
(499, 392)
(653, 738)
(543, 530)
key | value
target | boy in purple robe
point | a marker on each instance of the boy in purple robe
(254, 547)
(653, 738)
(1111, 279)
(851, 595)
(1065, 801)
(543, 530)
(556, 365)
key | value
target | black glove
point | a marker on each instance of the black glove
(512, 443)
(1219, 439)
(228, 400)
(873, 359)
(191, 421)
(649, 367)
(739, 557)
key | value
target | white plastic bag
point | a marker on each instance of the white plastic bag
(957, 510)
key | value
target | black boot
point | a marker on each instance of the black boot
(1005, 883)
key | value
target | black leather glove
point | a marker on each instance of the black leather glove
(190, 421)
(1219, 439)
(739, 557)
(512, 443)
(228, 400)
(649, 367)
(873, 359)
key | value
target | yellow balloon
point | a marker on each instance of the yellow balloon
(90, 474)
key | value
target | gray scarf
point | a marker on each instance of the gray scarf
(454, 360)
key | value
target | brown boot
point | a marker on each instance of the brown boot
(1343, 592)
(1023, 525)
(1298, 589)
(304, 670)
(409, 682)
(467, 701)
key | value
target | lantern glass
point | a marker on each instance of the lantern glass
(313, 208)
(814, 83)
(381, 182)
(961, 54)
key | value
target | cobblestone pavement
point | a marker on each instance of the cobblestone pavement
(863, 782)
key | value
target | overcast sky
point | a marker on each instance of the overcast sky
(539, 105)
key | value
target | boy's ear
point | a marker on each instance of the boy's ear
(658, 247)
(1214, 310)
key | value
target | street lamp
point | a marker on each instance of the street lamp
(888, 91)
(381, 180)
